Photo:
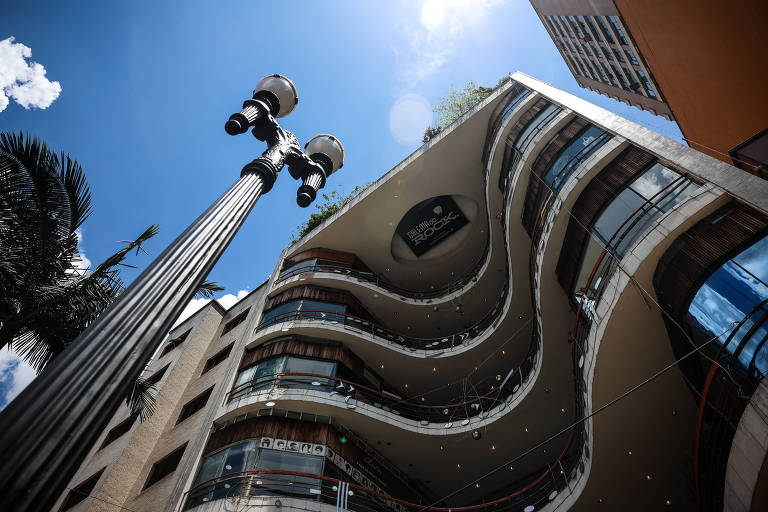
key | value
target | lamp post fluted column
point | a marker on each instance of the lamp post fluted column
(47, 431)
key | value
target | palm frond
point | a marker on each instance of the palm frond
(207, 289)
(73, 177)
(141, 400)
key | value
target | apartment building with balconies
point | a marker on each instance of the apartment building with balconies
(545, 307)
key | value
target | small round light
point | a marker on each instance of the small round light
(283, 89)
(529, 508)
(552, 495)
(270, 404)
(329, 146)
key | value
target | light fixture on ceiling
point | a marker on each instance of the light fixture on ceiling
(476, 435)
(270, 404)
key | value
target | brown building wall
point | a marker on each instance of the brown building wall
(710, 59)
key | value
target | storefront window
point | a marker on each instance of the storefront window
(222, 474)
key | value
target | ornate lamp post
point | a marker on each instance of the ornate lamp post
(46, 432)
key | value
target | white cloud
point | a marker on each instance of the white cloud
(15, 375)
(227, 301)
(24, 81)
(81, 262)
(432, 40)
(409, 117)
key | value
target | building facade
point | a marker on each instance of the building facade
(545, 307)
(699, 62)
(601, 52)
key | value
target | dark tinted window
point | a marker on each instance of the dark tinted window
(118, 430)
(217, 358)
(194, 405)
(80, 492)
(165, 466)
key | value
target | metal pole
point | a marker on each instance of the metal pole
(51, 426)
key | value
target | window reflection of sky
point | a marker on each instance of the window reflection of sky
(729, 294)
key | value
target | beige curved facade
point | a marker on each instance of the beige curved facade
(458, 379)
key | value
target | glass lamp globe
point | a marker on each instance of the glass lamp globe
(281, 88)
(329, 146)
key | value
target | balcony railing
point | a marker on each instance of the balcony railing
(327, 317)
(500, 391)
(370, 277)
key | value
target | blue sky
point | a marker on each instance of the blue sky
(147, 86)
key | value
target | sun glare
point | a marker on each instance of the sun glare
(432, 14)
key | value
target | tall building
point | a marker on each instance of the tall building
(601, 53)
(546, 307)
(699, 62)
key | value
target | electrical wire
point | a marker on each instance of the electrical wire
(582, 420)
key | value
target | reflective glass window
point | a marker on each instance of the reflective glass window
(593, 28)
(582, 146)
(299, 267)
(626, 218)
(313, 366)
(278, 460)
(277, 313)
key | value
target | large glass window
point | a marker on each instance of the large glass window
(732, 295)
(586, 142)
(222, 474)
(513, 105)
(298, 268)
(626, 217)
(580, 148)
(262, 374)
(305, 309)
(525, 137)
(277, 460)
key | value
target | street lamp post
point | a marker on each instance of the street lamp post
(46, 432)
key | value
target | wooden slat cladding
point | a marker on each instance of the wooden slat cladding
(598, 193)
(319, 293)
(489, 135)
(298, 346)
(703, 249)
(542, 163)
(326, 254)
(520, 125)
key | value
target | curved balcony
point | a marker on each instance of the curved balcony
(630, 222)
(261, 487)
(386, 335)
(542, 487)
(352, 394)
(435, 294)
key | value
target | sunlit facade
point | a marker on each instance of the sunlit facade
(463, 335)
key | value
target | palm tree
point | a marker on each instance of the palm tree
(46, 298)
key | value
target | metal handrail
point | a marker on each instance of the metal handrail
(476, 406)
(374, 279)
(436, 343)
